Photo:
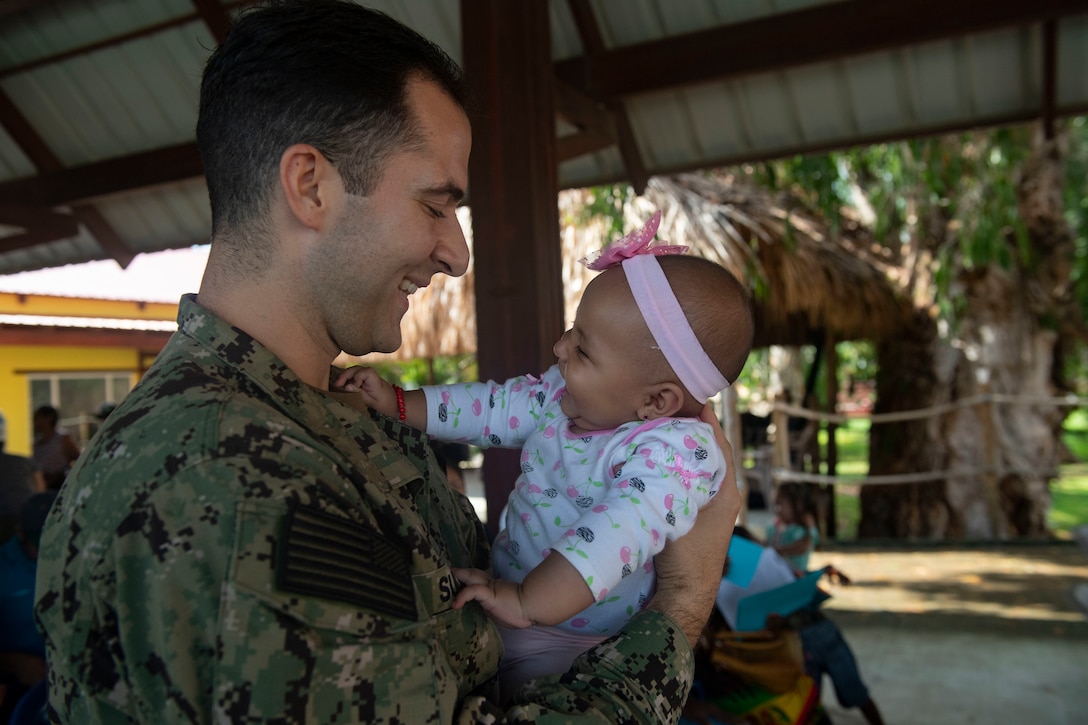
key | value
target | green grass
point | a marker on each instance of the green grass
(852, 443)
(1069, 501)
(1076, 434)
(1069, 493)
(847, 513)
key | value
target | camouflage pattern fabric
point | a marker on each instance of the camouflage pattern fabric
(237, 547)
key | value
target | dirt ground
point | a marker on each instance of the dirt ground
(1003, 588)
(957, 633)
(964, 633)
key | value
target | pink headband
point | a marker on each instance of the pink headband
(660, 309)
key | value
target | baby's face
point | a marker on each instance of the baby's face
(602, 357)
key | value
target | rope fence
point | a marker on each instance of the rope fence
(779, 471)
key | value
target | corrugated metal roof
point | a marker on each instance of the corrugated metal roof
(976, 80)
(100, 80)
(137, 95)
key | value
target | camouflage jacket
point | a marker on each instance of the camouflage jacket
(236, 546)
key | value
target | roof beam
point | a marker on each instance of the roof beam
(24, 217)
(40, 226)
(1050, 77)
(582, 111)
(1005, 119)
(33, 237)
(104, 233)
(45, 225)
(25, 136)
(119, 175)
(215, 17)
(52, 58)
(11, 7)
(821, 33)
(45, 228)
(590, 32)
(582, 143)
(596, 125)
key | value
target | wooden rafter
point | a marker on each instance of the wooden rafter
(46, 228)
(11, 7)
(41, 225)
(104, 233)
(215, 17)
(821, 33)
(119, 175)
(586, 86)
(25, 136)
(57, 186)
(110, 42)
(590, 32)
(26, 217)
(1050, 77)
(596, 125)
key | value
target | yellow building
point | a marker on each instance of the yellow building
(74, 353)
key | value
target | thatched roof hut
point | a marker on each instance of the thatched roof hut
(807, 285)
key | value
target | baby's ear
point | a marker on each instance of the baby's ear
(661, 401)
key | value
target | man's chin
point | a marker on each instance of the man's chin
(382, 346)
(390, 348)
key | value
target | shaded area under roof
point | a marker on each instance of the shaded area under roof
(98, 98)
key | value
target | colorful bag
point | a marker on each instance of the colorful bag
(773, 661)
(800, 705)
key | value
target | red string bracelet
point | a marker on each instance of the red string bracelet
(400, 402)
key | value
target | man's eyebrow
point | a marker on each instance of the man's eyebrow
(455, 192)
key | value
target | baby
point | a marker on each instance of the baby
(615, 460)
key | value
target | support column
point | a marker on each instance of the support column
(513, 190)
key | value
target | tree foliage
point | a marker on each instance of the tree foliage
(944, 206)
(940, 206)
(1076, 204)
(440, 370)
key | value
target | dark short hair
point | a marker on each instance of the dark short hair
(328, 73)
(48, 412)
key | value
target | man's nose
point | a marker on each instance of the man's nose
(452, 249)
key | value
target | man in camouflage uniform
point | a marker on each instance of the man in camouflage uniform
(237, 545)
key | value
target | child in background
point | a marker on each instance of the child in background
(615, 458)
(793, 534)
(825, 649)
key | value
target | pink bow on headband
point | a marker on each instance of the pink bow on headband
(640, 241)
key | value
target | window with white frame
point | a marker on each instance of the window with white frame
(77, 396)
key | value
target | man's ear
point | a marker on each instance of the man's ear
(661, 401)
(307, 181)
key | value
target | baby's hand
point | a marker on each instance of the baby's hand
(374, 391)
(499, 598)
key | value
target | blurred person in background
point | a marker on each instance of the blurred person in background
(55, 450)
(22, 650)
(19, 480)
